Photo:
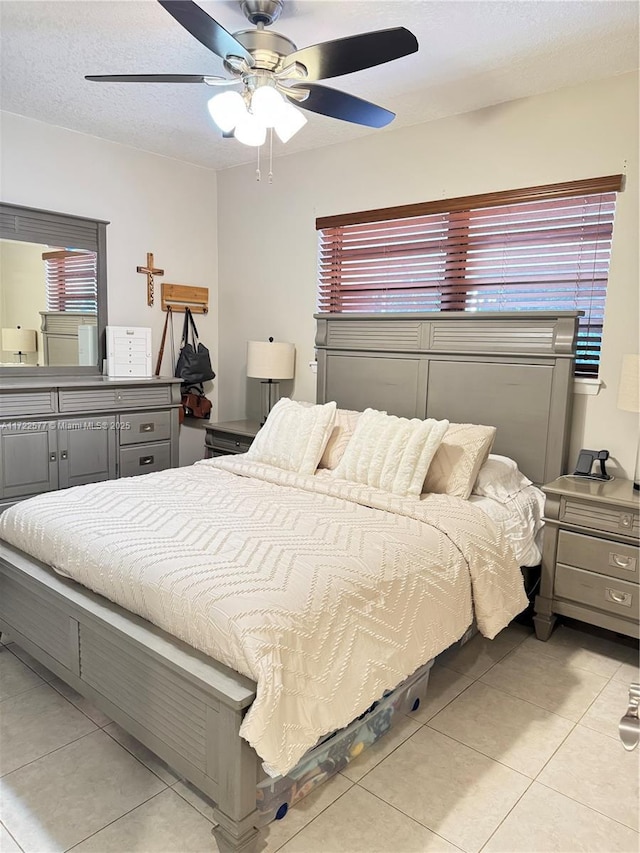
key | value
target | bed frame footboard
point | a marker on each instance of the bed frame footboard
(181, 704)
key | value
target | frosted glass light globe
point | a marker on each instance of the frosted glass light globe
(227, 110)
(266, 105)
(290, 121)
(250, 131)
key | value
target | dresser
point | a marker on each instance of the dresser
(590, 555)
(60, 337)
(229, 437)
(57, 432)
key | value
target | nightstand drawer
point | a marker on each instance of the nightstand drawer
(600, 517)
(145, 426)
(145, 458)
(613, 596)
(615, 559)
(223, 442)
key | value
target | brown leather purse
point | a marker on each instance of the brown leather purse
(196, 405)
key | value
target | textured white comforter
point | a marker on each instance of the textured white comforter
(323, 592)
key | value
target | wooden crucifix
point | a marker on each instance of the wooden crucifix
(149, 271)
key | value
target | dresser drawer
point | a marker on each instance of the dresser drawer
(145, 458)
(615, 559)
(225, 442)
(600, 517)
(145, 426)
(108, 397)
(19, 404)
(604, 593)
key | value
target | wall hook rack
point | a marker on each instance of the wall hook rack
(181, 296)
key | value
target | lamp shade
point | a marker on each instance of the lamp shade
(270, 360)
(19, 340)
(250, 131)
(628, 394)
(227, 109)
(288, 122)
(266, 105)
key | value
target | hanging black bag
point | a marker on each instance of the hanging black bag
(194, 363)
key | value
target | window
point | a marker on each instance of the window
(71, 276)
(537, 249)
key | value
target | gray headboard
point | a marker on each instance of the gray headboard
(511, 370)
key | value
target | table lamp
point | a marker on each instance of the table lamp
(270, 361)
(629, 399)
(19, 341)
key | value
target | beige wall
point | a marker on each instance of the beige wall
(267, 238)
(266, 235)
(154, 204)
(22, 292)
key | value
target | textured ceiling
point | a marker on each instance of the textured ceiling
(472, 55)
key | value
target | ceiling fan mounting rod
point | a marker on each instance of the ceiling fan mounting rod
(262, 12)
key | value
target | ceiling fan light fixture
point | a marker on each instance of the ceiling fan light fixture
(290, 120)
(250, 131)
(227, 110)
(266, 105)
(275, 74)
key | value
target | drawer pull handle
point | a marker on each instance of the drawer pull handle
(147, 427)
(622, 561)
(146, 460)
(237, 444)
(626, 520)
(623, 598)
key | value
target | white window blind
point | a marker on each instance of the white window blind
(548, 254)
(71, 280)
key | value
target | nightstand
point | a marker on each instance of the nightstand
(590, 555)
(229, 437)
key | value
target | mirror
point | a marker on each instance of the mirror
(48, 305)
(52, 292)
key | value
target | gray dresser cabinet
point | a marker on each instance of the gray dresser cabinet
(69, 431)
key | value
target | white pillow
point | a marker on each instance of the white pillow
(391, 453)
(500, 479)
(343, 428)
(455, 467)
(294, 436)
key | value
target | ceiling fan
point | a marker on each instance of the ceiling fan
(274, 75)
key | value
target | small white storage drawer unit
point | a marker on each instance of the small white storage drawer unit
(128, 351)
(590, 555)
(67, 431)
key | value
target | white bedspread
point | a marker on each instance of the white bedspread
(323, 592)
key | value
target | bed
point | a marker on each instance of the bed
(197, 711)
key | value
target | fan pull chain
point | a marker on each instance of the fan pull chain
(270, 178)
(258, 173)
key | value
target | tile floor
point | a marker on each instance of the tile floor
(515, 749)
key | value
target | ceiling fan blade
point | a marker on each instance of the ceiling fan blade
(336, 104)
(204, 28)
(353, 53)
(148, 78)
(163, 78)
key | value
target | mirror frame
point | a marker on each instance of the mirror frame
(31, 225)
